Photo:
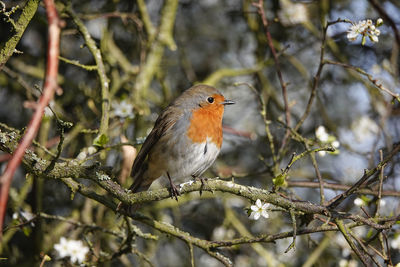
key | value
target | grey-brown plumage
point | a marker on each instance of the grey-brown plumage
(175, 148)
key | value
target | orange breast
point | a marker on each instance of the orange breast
(206, 122)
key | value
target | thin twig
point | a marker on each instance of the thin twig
(76, 63)
(340, 198)
(378, 201)
(260, 7)
(101, 71)
(342, 227)
(387, 18)
(364, 248)
(294, 225)
(263, 112)
(342, 187)
(375, 82)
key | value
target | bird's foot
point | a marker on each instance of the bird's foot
(203, 181)
(174, 191)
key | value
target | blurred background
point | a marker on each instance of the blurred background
(221, 43)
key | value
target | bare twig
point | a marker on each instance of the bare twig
(378, 201)
(101, 71)
(339, 199)
(342, 187)
(342, 227)
(375, 82)
(263, 112)
(387, 18)
(294, 225)
(260, 8)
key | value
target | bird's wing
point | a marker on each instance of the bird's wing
(163, 123)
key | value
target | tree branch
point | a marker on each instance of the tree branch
(101, 71)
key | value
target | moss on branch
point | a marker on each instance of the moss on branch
(100, 175)
(19, 27)
(69, 171)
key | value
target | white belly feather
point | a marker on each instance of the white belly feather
(182, 166)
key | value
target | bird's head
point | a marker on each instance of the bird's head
(203, 97)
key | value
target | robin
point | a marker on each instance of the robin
(185, 141)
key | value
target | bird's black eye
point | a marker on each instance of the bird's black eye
(210, 99)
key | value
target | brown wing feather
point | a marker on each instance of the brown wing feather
(163, 123)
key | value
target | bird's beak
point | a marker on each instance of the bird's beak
(227, 102)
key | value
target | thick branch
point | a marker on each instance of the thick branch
(98, 174)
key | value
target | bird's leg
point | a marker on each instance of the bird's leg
(202, 180)
(174, 190)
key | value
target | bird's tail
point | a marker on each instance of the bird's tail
(140, 184)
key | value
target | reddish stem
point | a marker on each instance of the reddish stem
(50, 85)
(260, 6)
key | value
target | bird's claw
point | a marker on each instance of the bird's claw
(174, 192)
(203, 181)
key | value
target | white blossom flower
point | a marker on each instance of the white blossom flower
(374, 38)
(382, 202)
(259, 209)
(395, 243)
(78, 251)
(355, 30)
(62, 248)
(365, 28)
(323, 137)
(321, 134)
(123, 109)
(25, 216)
(336, 144)
(359, 202)
(71, 248)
